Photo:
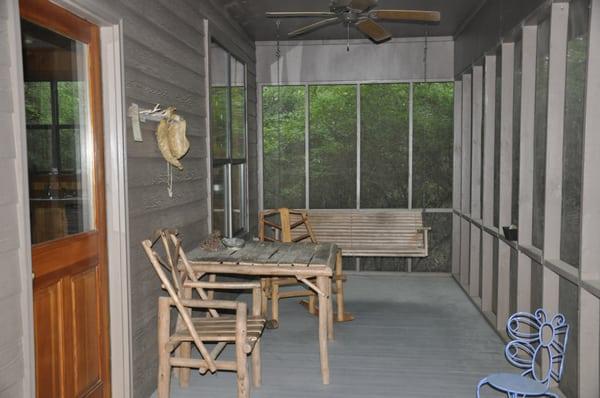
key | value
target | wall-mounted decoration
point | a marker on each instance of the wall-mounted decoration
(170, 135)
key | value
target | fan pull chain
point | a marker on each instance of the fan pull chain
(425, 55)
(348, 37)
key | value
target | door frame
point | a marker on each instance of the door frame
(115, 154)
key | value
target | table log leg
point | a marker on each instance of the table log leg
(339, 287)
(185, 351)
(330, 309)
(322, 282)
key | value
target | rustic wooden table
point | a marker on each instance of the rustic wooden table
(302, 261)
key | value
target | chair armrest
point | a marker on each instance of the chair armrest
(222, 285)
(216, 304)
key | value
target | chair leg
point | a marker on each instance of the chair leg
(312, 304)
(481, 384)
(164, 365)
(256, 366)
(243, 384)
(185, 351)
(339, 284)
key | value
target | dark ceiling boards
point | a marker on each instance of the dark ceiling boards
(250, 14)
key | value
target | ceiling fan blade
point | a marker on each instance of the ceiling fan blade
(313, 26)
(376, 32)
(285, 14)
(406, 16)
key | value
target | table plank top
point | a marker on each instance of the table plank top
(302, 258)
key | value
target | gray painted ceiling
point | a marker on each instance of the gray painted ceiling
(250, 14)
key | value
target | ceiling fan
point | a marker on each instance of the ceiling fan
(361, 14)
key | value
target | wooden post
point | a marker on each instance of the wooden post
(322, 282)
(329, 294)
(164, 356)
(339, 285)
(286, 232)
(274, 303)
(185, 350)
(256, 312)
(241, 356)
(211, 293)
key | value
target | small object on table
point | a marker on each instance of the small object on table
(233, 243)
(213, 243)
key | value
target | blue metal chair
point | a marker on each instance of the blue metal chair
(533, 337)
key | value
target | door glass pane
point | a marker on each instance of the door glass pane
(433, 132)
(384, 146)
(237, 198)
(219, 101)
(238, 109)
(539, 133)
(332, 142)
(573, 131)
(58, 133)
(218, 199)
(283, 146)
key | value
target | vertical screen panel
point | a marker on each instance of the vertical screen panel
(540, 132)
(283, 146)
(433, 109)
(384, 146)
(516, 161)
(497, 135)
(332, 143)
(572, 173)
(238, 109)
(219, 101)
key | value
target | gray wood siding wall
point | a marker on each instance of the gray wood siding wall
(11, 331)
(164, 62)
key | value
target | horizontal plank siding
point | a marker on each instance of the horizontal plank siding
(11, 265)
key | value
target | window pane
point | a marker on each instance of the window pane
(497, 125)
(219, 101)
(237, 198)
(573, 131)
(539, 134)
(218, 199)
(59, 167)
(283, 146)
(39, 150)
(238, 109)
(433, 125)
(516, 149)
(384, 145)
(332, 146)
(69, 94)
(38, 105)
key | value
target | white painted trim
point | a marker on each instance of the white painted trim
(465, 231)
(209, 215)
(475, 210)
(117, 209)
(113, 93)
(554, 141)
(22, 188)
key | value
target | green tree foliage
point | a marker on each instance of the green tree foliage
(433, 111)
(332, 146)
(283, 146)
(384, 145)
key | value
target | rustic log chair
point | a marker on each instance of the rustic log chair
(286, 225)
(240, 330)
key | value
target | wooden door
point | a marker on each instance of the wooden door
(61, 64)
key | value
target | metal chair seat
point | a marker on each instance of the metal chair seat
(515, 382)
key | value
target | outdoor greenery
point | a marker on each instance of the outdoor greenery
(384, 145)
(43, 132)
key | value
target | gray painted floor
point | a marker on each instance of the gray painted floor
(414, 336)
